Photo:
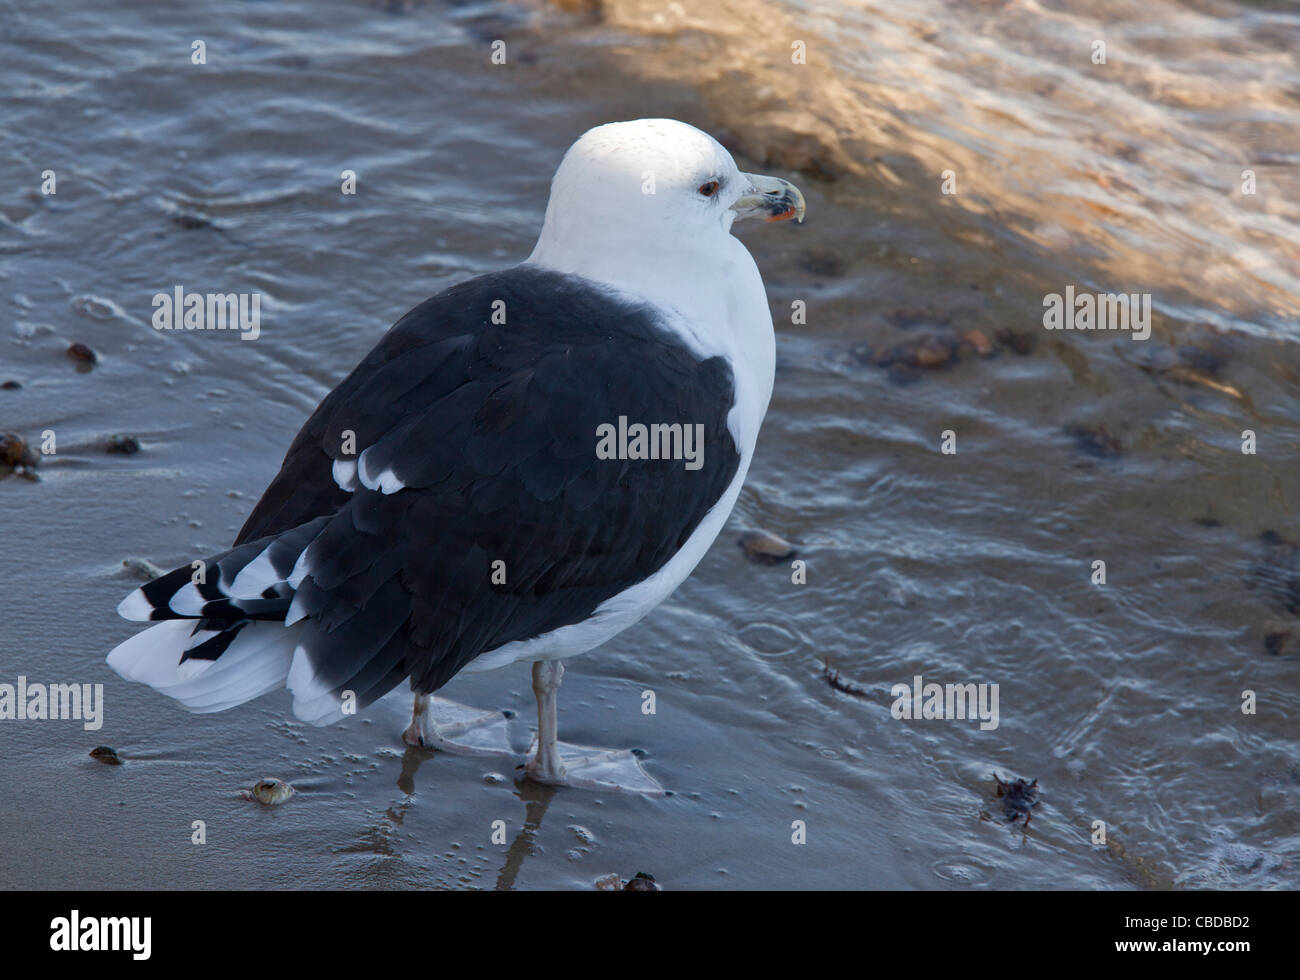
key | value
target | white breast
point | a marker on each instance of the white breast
(720, 308)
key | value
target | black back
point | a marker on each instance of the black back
(491, 430)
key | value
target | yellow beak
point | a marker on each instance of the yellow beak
(771, 197)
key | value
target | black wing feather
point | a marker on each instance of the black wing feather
(491, 429)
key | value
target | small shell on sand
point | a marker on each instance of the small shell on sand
(126, 445)
(766, 547)
(81, 353)
(106, 755)
(142, 568)
(270, 792)
(924, 350)
(15, 452)
(978, 342)
(642, 882)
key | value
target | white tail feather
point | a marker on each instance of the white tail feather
(313, 702)
(256, 662)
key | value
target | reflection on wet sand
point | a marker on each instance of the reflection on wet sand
(537, 800)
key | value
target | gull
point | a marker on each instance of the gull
(524, 466)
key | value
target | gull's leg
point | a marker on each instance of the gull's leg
(414, 734)
(560, 763)
(545, 766)
(437, 723)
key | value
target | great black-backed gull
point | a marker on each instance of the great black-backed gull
(523, 466)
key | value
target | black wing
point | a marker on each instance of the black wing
(491, 430)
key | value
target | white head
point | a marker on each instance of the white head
(651, 185)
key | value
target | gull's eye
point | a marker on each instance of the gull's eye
(709, 188)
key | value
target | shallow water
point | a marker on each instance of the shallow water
(1122, 700)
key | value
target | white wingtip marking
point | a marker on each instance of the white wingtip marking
(187, 601)
(135, 607)
(255, 577)
(363, 472)
(386, 481)
(345, 474)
